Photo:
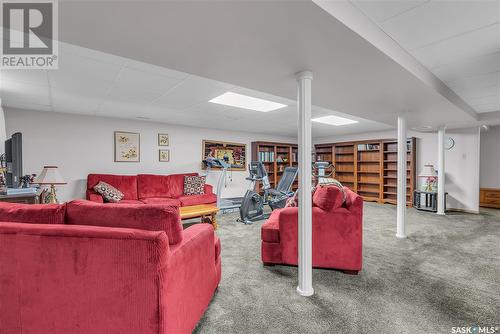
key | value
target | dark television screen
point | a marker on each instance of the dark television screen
(14, 159)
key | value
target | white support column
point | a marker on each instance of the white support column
(401, 209)
(304, 80)
(441, 172)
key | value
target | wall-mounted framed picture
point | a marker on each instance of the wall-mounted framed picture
(163, 139)
(127, 146)
(233, 153)
(164, 155)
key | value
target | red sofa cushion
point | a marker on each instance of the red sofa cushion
(144, 216)
(189, 200)
(161, 185)
(161, 200)
(127, 184)
(270, 231)
(32, 213)
(328, 197)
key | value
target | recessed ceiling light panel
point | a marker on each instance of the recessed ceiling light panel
(334, 120)
(247, 102)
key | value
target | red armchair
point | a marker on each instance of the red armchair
(65, 278)
(336, 232)
(150, 189)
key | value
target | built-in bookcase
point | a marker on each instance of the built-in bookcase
(370, 167)
(275, 157)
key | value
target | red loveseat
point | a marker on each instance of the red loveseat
(150, 189)
(336, 232)
(60, 275)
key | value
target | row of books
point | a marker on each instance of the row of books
(368, 147)
(266, 156)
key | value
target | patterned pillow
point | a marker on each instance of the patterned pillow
(194, 185)
(108, 192)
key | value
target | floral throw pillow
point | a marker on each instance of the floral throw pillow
(194, 185)
(108, 192)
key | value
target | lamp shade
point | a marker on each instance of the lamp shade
(428, 171)
(49, 175)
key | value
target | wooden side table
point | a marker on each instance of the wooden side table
(206, 212)
(20, 198)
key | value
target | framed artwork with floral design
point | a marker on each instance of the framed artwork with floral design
(127, 146)
(164, 155)
(162, 139)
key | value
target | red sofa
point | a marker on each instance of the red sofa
(150, 189)
(336, 232)
(134, 270)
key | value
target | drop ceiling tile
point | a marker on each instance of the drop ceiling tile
(67, 50)
(463, 84)
(72, 68)
(130, 95)
(35, 77)
(488, 108)
(135, 79)
(191, 91)
(23, 103)
(479, 92)
(382, 10)
(157, 70)
(36, 94)
(461, 48)
(439, 20)
(474, 66)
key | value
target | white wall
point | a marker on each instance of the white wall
(80, 145)
(3, 134)
(490, 158)
(461, 162)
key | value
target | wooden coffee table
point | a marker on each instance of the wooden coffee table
(206, 212)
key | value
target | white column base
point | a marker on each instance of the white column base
(305, 293)
(401, 236)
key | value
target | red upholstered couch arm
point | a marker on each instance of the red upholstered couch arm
(94, 197)
(32, 213)
(81, 279)
(191, 279)
(208, 189)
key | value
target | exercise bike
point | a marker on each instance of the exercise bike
(252, 206)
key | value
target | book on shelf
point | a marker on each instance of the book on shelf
(368, 147)
(266, 156)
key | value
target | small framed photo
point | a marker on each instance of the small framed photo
(164, 155)
(162, 139)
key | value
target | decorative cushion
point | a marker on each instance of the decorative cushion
(108, 192)
(194, 185)
(326, 181)
(328, 197)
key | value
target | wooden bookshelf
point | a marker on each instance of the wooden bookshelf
(275, 157)
(370, 167)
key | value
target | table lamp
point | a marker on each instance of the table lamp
(430, 175)
(49, 176)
